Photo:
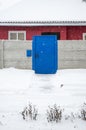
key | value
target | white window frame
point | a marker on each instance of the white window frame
(84, 35)
(17, 35)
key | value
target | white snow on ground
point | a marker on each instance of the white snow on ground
(66, 88)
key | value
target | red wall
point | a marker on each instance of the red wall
(4, 31)
(75, 32)
(66, 33)
(31, 31)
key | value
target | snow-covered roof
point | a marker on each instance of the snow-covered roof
(45, 12)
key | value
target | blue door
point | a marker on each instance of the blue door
(44, 54)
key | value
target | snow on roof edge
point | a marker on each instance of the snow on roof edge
(42, 23)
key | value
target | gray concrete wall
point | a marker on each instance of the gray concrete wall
(1, 54)
(71, 54)
(13, 54)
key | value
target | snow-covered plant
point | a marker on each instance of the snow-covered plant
(54, 113)
(72, 116)
(30, 112)
(83, 112)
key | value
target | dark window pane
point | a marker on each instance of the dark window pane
(13, 36)
(52, 33)
(20, 36)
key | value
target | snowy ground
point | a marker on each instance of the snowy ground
(18, 88)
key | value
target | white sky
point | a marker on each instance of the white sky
(4, 4)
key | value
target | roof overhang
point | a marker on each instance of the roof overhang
(42, 23)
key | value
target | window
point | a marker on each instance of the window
(52, 33)
(17, 35)
(84, 36)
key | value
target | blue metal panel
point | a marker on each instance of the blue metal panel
(44, 54)
(28, 53)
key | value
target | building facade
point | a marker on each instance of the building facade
(26, 30)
